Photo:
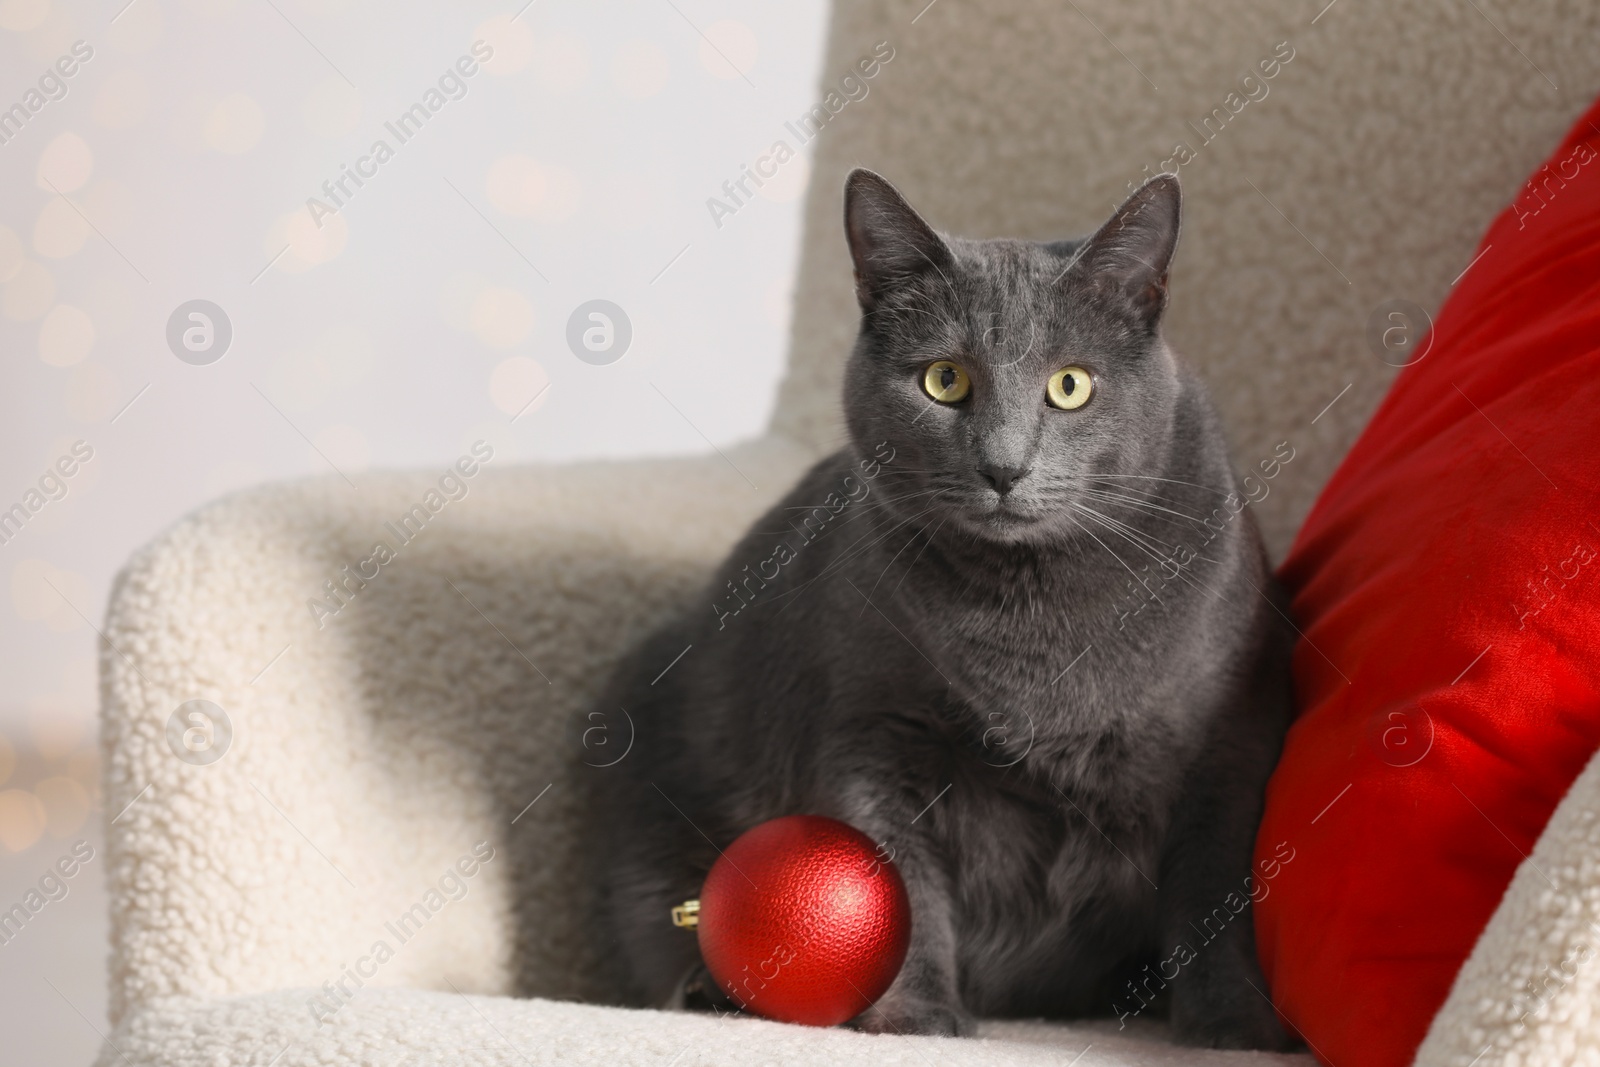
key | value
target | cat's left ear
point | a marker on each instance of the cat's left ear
(1127, 259)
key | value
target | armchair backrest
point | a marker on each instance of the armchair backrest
(1335, 157)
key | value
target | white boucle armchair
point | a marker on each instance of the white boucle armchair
(386, 865)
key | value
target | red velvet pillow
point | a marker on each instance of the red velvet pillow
(1448, 587)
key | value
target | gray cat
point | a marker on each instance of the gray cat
(1020, 631)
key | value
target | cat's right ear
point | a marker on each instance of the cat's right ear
(889, 242)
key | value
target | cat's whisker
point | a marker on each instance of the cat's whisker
(863, 513)
(1174, 481)
(1206, 512)
(1145, 515)
(848, 554)
(924, 548)
(1183, 572)
(1159, 559)
(1163, 560)
(897, 307)
(1153, 505)
(888, 565)
(1140, 492)
(857, 507)
(1133, 532)
(1140, 502)
(1144, 535)
(879, 505)
(1105, 546)
(854, 550)
(851, 553)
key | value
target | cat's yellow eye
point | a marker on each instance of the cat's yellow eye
(946, 382)
(1070, 388)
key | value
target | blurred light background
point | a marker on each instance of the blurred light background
(175, 164)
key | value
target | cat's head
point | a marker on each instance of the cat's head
(1009, 375)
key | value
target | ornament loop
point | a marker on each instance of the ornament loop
(687, 914)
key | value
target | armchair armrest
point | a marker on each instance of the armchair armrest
(376, 788)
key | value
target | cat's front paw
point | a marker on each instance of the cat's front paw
(1239, 1024)
(698, 991)
(908, 1015)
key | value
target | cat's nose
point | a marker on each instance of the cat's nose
(1002, 477)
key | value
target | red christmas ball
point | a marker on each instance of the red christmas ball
(803, 919)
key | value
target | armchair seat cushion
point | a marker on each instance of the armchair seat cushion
(411, 1028)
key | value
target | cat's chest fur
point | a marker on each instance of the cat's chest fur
(1062, 741)
(1034, 646)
